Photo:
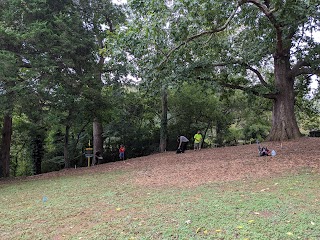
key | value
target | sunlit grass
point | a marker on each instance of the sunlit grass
(109, 206)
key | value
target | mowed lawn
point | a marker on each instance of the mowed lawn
(109, 205)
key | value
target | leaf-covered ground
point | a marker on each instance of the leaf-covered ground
(169, 196)
(194, 168)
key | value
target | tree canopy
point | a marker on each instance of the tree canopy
(264, 48)
(86, 71)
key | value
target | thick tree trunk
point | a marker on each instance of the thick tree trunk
(164, 120)
(205, 133)
(5, 146)
(37, 153)
(220, 133)
(284, 123)
(97, 140)
(97, 124)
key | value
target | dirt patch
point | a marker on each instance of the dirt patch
(194, 168)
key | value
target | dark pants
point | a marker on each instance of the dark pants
(184, 146)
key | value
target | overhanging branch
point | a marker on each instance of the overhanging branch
(302, 67)
(264, 8)
(203, 33)
(247, 66)
(249, 90)
(259, 75)
(307, 70)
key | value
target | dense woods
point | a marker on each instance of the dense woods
(79, 74)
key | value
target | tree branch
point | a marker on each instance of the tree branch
(265, 10)
(244, 88)
(249, 90)
(302, 67)
(247, 66)
(269, 14)
(259, 75)
(189, 39)
(307, 70)
(296, 67)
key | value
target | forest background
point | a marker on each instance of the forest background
(84, 73)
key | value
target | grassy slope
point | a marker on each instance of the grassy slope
(109, 205)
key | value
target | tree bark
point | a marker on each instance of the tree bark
(284, 123)
(220, 130)
(5, 146)
(37, 153)
(97, 140)
(164, 120)
(65, 148)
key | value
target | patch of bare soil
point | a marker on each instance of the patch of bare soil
(194, 168)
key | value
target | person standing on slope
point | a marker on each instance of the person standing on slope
(197, 140)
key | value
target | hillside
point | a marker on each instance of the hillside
(212, 165)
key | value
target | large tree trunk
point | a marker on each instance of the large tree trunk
(284, 123)
(164, 120)
(97, 140)
(37, 153)
(5, 146)
(220, 133)
(97, 124)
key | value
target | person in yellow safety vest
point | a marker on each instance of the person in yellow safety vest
(197, 140)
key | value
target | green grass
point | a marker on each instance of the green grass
(109, 206)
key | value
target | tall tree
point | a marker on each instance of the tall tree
(53, 51)
(262, 47)
(145, 40)
(103, 17)
(164, 119)
(11, 59)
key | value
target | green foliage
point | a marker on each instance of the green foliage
(194, 40)
(225, 117)
(132, 123)
(24, 168)
(52, 164)
(233, 136)
(256, 131)
(192, 107)
(256, 119)
(308, 114)
(65, 62)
